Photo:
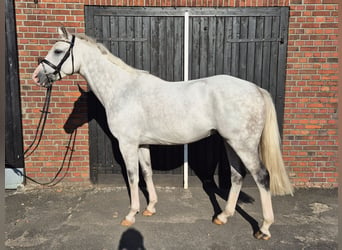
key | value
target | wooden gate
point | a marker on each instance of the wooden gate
(249, 43)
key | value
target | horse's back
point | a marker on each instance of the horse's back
(230, 85)
(230, 94)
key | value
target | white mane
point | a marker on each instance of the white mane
(117, 61)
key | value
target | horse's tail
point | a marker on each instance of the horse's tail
(270, 153)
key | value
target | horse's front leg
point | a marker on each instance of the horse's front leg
(146, 167)
(130, 155)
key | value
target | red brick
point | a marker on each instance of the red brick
(330, 1)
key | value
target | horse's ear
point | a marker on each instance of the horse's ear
(63, 33)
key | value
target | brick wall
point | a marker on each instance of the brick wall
(310, 119)
(310, 134)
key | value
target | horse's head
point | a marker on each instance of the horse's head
(59, 62)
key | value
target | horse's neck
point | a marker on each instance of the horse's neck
(104, 77)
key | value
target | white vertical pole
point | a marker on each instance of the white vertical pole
(186, 78)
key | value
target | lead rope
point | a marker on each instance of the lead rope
(41, 123)
(70, 147)
(38, 135)
(39, 129)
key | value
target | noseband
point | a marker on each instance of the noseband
(67, 54)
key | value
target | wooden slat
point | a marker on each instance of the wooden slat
(219, 45)
(211, 50)
(130, 53)
(170, 45)
(138, 46)
(235, 62)
(258, 58)
(105, 31)
(146, 46)
(274, 58)
(114, 32)
(97, 27)
(251, 48)
(243, 48)
(122, 32)
(266, 54)
(154, 46)
(228, 34)
(178, 60)
(162, 48)
(194, 45)
(203, 49)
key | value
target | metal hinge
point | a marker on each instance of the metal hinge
(255, 40)
(122, 39)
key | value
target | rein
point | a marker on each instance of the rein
(70, 147)
(38, 137)
(42, 121)
(40, 127)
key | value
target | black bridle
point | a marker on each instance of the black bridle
(59, 66)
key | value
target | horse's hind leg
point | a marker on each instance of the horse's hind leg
(251, 160)
(238, 172)
(262, 179)
(146, 167)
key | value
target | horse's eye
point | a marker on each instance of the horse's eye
(58, 51)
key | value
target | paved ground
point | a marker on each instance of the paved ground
(89, 218)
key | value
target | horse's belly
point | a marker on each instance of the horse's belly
(182, 134)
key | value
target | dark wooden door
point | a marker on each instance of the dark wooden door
(249, 43)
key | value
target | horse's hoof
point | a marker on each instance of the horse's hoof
(261, 236)
(148, 213)
(217, 221)
(126, 223)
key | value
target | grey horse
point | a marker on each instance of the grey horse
(143, 110)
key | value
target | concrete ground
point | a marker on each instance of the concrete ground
(89, 218)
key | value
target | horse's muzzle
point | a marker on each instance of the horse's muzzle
(42, 79)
